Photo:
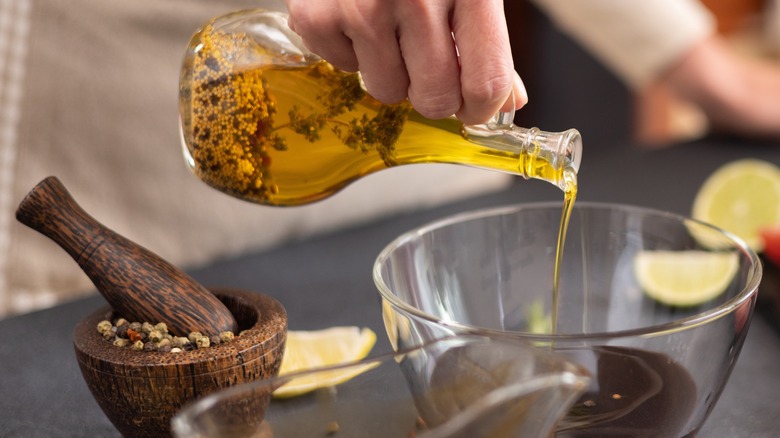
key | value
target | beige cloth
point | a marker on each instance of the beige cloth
(638, 40)
(88, 92)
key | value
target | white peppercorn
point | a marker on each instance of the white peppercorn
(147, 328)
(155, 336)
(179, 341)
(162, 327)
(203, 342)
(104, 326)
(194, 336)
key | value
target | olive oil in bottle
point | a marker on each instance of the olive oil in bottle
(267, 121)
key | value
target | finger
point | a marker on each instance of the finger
(379, 57)
(321, 34)
(487, 70)
(519, 96)
(431, 60)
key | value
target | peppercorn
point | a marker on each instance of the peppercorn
(138, 345)
(194, 336)
(120, 322)
(179, 341)
(155, 336)
(121, 331)
(120, 342)
(164, 343)
(215, 340)
(226, 336)
(134, 335)
(162, 327)
(203, 342)
(176, 350)
(104, 326)
(150, 346)
(136, 326)
(332, 428)
(147, 328)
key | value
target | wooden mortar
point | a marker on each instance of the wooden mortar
(140, 391)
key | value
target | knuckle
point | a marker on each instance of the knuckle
(308, 21)
(367, 20)
(491, 90)
(434, 105)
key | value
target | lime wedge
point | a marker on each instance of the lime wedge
(305, 350)
(684, 278)
(741, 197)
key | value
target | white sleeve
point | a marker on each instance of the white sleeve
(638, 40)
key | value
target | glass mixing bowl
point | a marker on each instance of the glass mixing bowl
(658, 368)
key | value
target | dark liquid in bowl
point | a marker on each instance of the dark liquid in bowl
(634, 393)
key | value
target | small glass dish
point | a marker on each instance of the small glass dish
(462, 386)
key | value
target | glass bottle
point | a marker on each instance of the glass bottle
(265, 120)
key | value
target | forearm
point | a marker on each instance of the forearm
(637, 40)
(736, 93)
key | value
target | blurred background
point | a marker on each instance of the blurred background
(88, 92)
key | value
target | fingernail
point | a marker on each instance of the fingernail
(521, 95)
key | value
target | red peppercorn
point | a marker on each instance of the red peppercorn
(133, 335)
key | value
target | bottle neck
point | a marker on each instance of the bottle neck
(543, 155)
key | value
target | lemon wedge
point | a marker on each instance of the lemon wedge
(684, 278)
(305, 350)
(741, 197)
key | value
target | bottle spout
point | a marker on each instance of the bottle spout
(541, 154)
(570, 148)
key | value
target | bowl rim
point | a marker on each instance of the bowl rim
(748, 292)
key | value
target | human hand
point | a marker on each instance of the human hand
(737, 94)
(407, 48)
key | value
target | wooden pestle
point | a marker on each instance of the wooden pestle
(138, 284)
